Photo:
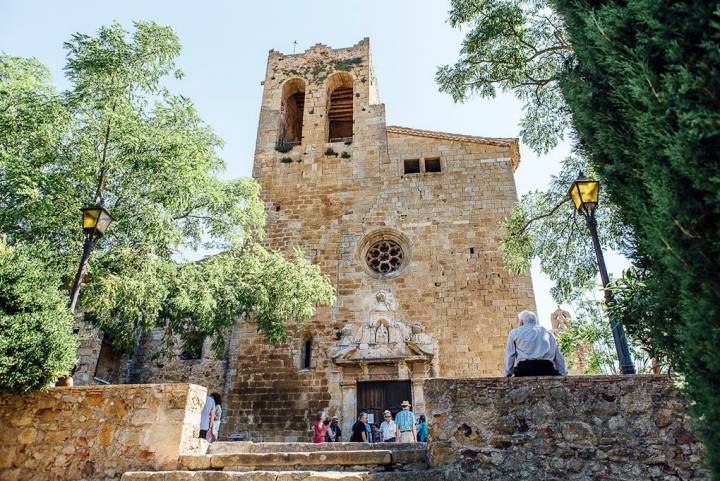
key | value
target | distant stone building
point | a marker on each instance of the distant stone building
(404, 222)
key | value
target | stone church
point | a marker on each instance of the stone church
(404, 222)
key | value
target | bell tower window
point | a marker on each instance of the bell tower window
(340, 108)
(291, 113)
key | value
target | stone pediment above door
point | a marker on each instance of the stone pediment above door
(383, 338)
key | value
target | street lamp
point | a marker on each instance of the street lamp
(95, 221)
(585, 194)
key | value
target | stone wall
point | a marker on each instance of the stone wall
(577, 428)
(98, 432)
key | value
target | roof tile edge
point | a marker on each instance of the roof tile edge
(511, 142)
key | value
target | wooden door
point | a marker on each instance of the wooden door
(376, 396)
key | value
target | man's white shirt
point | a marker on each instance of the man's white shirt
(529, 342)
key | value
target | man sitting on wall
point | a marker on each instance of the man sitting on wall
(532, 350)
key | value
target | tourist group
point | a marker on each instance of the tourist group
(404, 429)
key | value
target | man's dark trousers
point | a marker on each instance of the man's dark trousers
(535, 367)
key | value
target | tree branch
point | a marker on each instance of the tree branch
(542, 216)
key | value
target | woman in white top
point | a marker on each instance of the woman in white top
(217, 416)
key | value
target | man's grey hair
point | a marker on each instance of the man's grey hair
(528, 318)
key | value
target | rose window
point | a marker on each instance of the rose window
(384, 256)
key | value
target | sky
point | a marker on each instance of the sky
(225, 47)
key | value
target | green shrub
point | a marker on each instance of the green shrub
(345, 155)
(37, 344)
(286, 160)
(329, 151)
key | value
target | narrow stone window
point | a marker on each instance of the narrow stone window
(291, 114)
(306, 354)
(340, 108)
(432, 165)
(411, 166)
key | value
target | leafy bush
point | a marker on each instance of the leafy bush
(330, 151)
(345, 155)
(37, 344)
(286, 160)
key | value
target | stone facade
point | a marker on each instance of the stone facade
(600, 428)
(98, 432)
(404, 223)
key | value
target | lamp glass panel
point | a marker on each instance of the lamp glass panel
(90, 218)
(103, 222)
(585, 192)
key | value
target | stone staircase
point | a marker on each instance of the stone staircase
(300, 462)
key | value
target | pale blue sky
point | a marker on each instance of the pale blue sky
(225, 46)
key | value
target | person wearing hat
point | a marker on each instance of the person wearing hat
(405, 424)
(334, 433)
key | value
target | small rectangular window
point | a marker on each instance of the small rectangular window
(432, 165)
(412, 166)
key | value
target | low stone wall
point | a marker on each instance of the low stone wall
(605, 428)
(98, 432)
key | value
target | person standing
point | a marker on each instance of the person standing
(422, 429)
(320, 429)
(388, 428)
(359, 431)
(532, 350)
(334, 434)
(376, 434)
(368, 432)
(405, 430)
(217, 416)
(207, 416)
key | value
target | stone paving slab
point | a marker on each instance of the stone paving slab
(430, 475)
(336, 458)
(244, 476)
(250, 447)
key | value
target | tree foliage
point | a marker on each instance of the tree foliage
(515, 46)
(120, 134)
(644, 99)
(36, 330)
(588, 342)
(639, 88)
(545, 225)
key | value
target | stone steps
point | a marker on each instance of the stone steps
(300, 462)
(428, 475)
(250, 447)
(297, 460)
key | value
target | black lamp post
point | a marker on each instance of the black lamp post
(585, 194)
(96, 220)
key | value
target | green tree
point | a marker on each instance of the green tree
(589, 342)
(644, 99)
(546, 226)
(516, 46)
(36, 330)
(118, 133)
(638, 89)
